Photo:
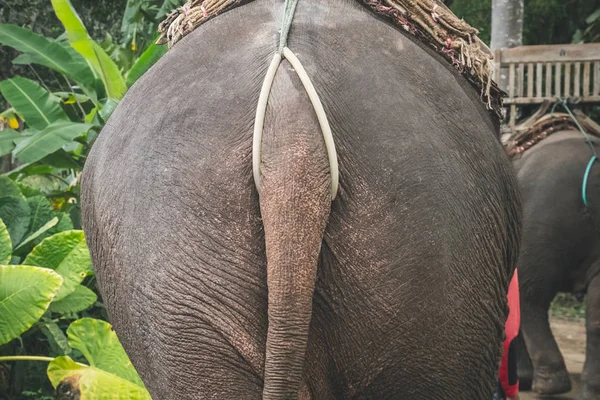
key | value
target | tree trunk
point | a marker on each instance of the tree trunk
(507, 29)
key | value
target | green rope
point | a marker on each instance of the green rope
(286, 23)
(588, 141)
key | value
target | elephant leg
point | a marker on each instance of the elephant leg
(591, 370)
(550, 373)
(524, 365)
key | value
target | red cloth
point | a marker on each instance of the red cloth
(512, 330)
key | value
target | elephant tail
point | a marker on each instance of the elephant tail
(295, 202)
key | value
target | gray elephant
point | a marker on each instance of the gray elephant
(395, 290)
(560, 253)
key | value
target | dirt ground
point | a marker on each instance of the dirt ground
(570, 335)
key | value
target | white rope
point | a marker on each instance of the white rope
(259, 120)
(319, 110)
(321, 116)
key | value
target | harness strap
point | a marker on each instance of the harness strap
(259, 121)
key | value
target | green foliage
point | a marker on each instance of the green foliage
(37, 49)
(81, 41)
(591, 33)
(65, 253)
(15, 211)
(109, 365)
(146, 60)
(51, 139)
(544, 21)
(5, 244)
(101, 17)
(141, 19)
(477, 13)
(51, 132)
(105, 352)
(25, 295)
(8, 138)
(38, 107)
(566, 305)
(42, 288)
(80, 299)
(553, 22)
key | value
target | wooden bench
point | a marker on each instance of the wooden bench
(549, 72)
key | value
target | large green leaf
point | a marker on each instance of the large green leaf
(25, 294)
(5, 244)
(100, 346)
(110, 374)
(8, 187)
(49, 140)
(82, 298)
(14, 211)
(67, 254)
(91, 382)
(148, 58)
(38, 107)
(90, 50)
(37, 49)
(7, 140)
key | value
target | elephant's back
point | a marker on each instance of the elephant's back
(560, 161)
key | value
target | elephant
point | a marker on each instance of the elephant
(395, 289)
(560, 252)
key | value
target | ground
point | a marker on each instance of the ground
(570, 335)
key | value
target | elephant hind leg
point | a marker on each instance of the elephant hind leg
(541, 270)
(591, 370)
(550, 373)
(524, 365)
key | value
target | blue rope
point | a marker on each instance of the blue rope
(585, 179)
(588, 141)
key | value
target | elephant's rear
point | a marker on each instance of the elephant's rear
(561, 204)
(416, 254)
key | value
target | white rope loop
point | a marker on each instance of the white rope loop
(263, 99)
(259, 120)
(261, 109)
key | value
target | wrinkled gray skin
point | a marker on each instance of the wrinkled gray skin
(560, 253)
(403, 278)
